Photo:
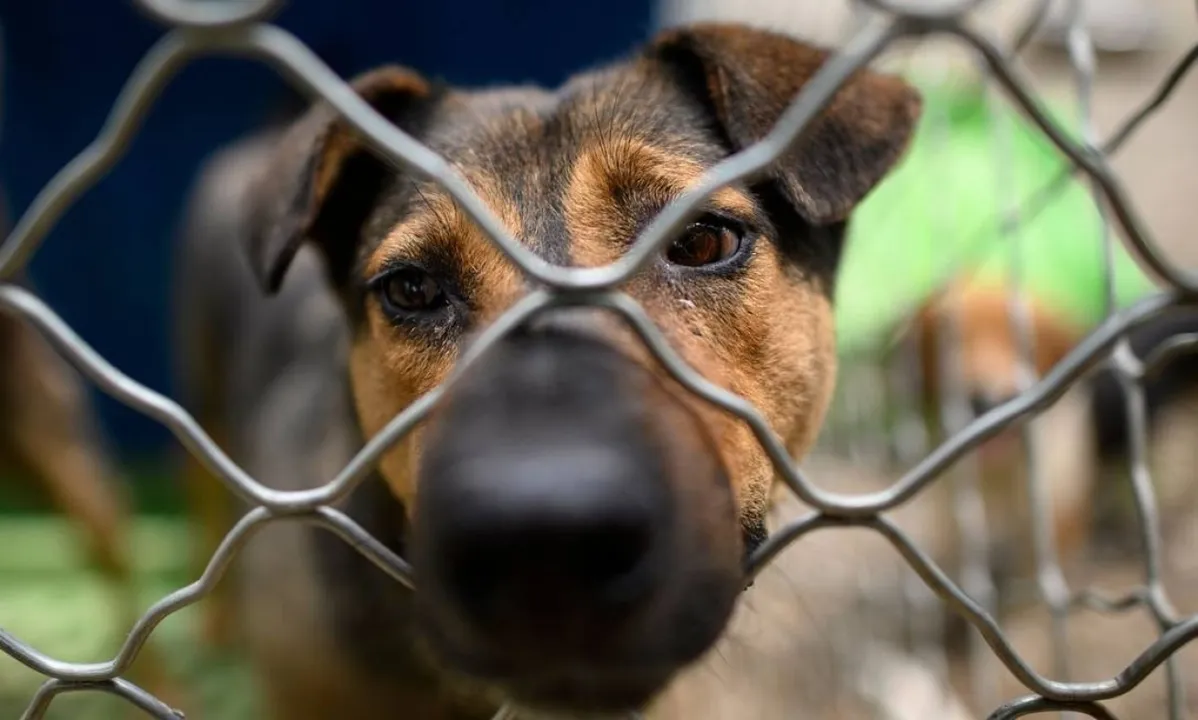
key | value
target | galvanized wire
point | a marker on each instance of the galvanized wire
(1084, 60)
(241, 29)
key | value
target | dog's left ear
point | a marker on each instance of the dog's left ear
(321, 181)
(746, 78)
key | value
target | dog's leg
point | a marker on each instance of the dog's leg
(74, 479)
(1070, 470)
(1173, 457)
(52, 438)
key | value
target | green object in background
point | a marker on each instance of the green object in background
(50, 600)
(941, 209)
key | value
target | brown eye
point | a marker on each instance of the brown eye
(704, 243)
(410, 290)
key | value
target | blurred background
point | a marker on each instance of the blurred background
(105, 266)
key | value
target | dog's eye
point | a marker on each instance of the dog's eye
(705, 243)
(410, 290)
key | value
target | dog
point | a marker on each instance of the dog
(985, 367)
(577, 522)
(51, 445)
(49, 442)
(1083, 436)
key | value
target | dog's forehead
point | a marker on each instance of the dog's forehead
(522, 129)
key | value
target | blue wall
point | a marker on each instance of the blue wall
(104, 268)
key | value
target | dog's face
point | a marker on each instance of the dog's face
(974, 318)
(987, 356)
(579, 521)
(984, 342)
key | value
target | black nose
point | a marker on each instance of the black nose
(550, 543)
(543, 512)
(981, 403)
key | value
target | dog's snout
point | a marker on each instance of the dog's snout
(544, 504)
(981, 403)
(561, 523)
(564, 540)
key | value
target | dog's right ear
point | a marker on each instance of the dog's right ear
(746, 77)
(322, 181)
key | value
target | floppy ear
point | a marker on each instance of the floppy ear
(747, 77)
(322, 181)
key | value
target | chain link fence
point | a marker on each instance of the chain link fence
(242, 29)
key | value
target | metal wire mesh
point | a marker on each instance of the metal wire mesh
(242, 28)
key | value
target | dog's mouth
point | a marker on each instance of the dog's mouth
(575, 690)
(576, 539)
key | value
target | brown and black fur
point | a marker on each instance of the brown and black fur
(988, 356)
(1083, 436)
(293, 383)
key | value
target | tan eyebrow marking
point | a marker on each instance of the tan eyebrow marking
(606, 172)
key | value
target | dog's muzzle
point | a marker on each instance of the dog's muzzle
(565, 533)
